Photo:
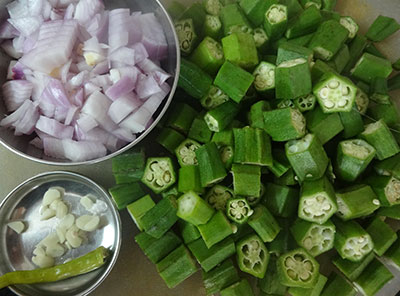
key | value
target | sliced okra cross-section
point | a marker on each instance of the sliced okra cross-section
(315, 238)
(335, 93)
(186, 152)
(218, 196)
(212, 169)
(208, 55)
(356, 201)
(186, 35)
(306, 103)
(317, 201)
(275, 21)
(264, 77)
(255, 9)
(387, 188)
(221, 116)
(350, 24)
(298, 268)
(192, 208)
(212, 26)
(212, 7)
(353, 157)
(352, 242)
(214, 97)
(260, 39)
(252, 255)
(308, 3)
(159, 174)
(361, 101)
(238, 210)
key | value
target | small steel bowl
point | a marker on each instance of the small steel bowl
(20, 145)
(23, 204)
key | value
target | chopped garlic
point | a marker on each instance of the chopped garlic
(17, 226)
(86, 202)
(43, 261)
(51, 195)
(88, 223)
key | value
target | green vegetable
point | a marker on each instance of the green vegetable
(193, 209)
(281, 200)
(232, 15)
(185, 153)
(193, 80)
(212, 26)
(189, 179)
(175, 9)
(393, 254)
(238, 210)
(352, 123)
(220, 277)
(389, 166)
(314, 291)
(289, 51)
(329, 4)
(212, 7)
(217, 196)
(246, 180)
(240, 49)
(241, 288)
(305, 23)
(159, 174)
(382, 28)
(270, 284)
(188, 231)
(369, 67)
(382, 235)
(264, 224)
(169, 139)
(138, 208)
(379, 92)
(352, 269)
(128, 167)
(216, 229)
(264, 75)
(306, 103)
(338, 285)
(214, 97)
(208, 55)
(221, 116)
(260, 39)
(309, 3)
(125, 194)
(81, 265)
(350, 24)
(211, 168)
(340, 60)
(356, 48)
(181, 117)
(255, 9)
(197, 13)
(276, 21)
(387, 188)
(199, 130)
(186, 35)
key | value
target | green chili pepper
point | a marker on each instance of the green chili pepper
(270, 284)
(139, 208)
(199, 130)
(216, 229)
(264, 224)
(369, 67)
(252, 256)
(275, 21)
(314, 291)
(208, 55)
(382, 28)
(214, 98)
(264, 80)
(84, 264)
(220, 277)
(281, 200)
(188, 231)
(323, 125)
(212, 26)
(238, 210)
(159, 174)
(351, 241)
(305, 23)
(315, 238)
(246, 179)
(192, 208)
(352, 269)
(218, 196)
(338, 285)
(298, 268)
(241, 288)
(125, 194)
(356, 201)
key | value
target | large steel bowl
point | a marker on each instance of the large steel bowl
(20, 145)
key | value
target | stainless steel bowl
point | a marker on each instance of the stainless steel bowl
(23, 204)
(20, 145)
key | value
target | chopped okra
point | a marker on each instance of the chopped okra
(275, 22)
(218, 196)
(335, 93)
(159, 174)
(186, 35)
(387, 188)
(306, 103)
(264, 77)
(362, 101)
(349, 23)
(186, 152)
(238, 210)
(260, 38)
(214, 98)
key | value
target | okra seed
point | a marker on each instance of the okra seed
(376, 202)
(342, 102)
(309, 176)
(329, 104)
(324, 93)
(333, 84)
(290, 262)
(292, 274)
(345, 90)
(308, 243)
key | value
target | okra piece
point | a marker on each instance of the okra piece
(227, 154)
(197, 13)
(242, 231)
(212, 26)
(264, 224)
(188, 231)
(306, 103)
(193, 80)
(387, 188)
(216, 229)
(369, 67)
(351, 241)
(350, 24)
(379, 92)
(172, 191)
(175, 9)
(241, 288)
(177, 266)
(157, 249)
(382, 235)
(222, 116)
(302, 40)
(387, 112)
(187, 36)
(340, 60)
(308, 3)
(281, 164)
(128, 167)
(255, 200)
(356, 48)
(234, 81)
(293, 79)
(193, 209)
(209, 258)
(181, 117)
(373, 278)
(305, 23)
(284, 124)
(315, 238)
(394, 82)
(125, 194)
(238, 210)
(356, 201)
(335, 93)
(255, 9)
(328, 39)
(353, 157)
(307, 157)
(218, 196)
(297, 268)
(352, 123)
(252, 256)
(314, 291)
(392, 256)
(330, 15)
(214, 97)
(252, 146)
(284, 241)
(208, 55)
(189, 179)
(281, 200)
(212, 7)
(282, 104)
(270, 284)
(362, 101)
(211, 167)
(382, 28)
(160, 218)
(318, 69)
(185, 153)
(260, 39)
(264, 80)
(240, 49)
(159, 174)
(317, 201)
(225, 137)
(276, 21)
(352, 269)
(380, 137)
(169, 139)
(255, 116)
(389, 167)
(323, 125)
(288, 51)
(220, 277)
(232, 15)
(139, 208)
(329, 4)
(199, 130)
(246, 179)
(392, 212)
(338, 285)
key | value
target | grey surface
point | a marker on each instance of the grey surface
(134, 274)
(24, 203)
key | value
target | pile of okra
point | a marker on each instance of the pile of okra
(281, 144)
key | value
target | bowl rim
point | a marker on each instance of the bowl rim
(115, 254)
(142, 135)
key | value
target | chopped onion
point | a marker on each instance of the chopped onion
(54, 128)
(15, 92)
(122, 107)
(147, 86)
(123, 87)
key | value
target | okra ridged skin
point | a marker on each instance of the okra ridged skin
(193, 80)
(356, 48)
(169, 139)
(232, 15)
(129, 166)
(211, 168)
(305, 23)
(270, 284)
(276, 21)
(189, 179)
(255, 10)
(208, 55)
(382, 28)
(199, 130)
(373, 278)
(390, 166)
(314, 291)
(338, 285)
(392, 256)
(240, 49)
(241, 288)
(216, 229)
(246, 179)
(181, 117)
(188, 231)
(350, 269)
(221, 116)
(138, 208)
(220, 277)
(281, 200)
(382, 235)
(264, 224)
(255, 117)
(387, 189)
(352, 122)
(293, 7)
(193, 209)
(289, 51)
(369, 67)
(340, 59)
(125, 194)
